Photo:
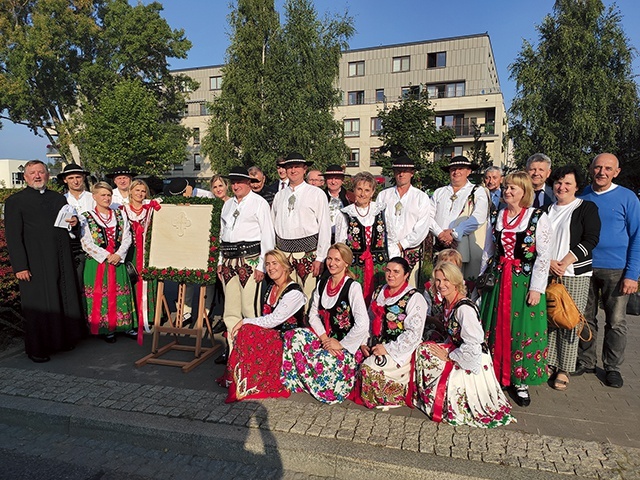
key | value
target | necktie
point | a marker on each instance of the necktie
(282, 185)
(536, 200)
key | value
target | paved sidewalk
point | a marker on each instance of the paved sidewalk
(588, 431)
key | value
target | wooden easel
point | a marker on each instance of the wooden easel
(176, 327)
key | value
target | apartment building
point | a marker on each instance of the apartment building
(458, 74)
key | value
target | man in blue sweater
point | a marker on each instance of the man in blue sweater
(616, 267)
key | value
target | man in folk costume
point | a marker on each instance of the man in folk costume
(74, 177)
(246, 235)
(122, 178)
(409, 213)
(337, 195)
(37, 232)
(462, 210)
(302, 224)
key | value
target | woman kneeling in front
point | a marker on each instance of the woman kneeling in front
(455, 380)
(324, 362)
(253, 369)
(398, 312)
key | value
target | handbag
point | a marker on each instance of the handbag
(486, 280)
(132, 272)
(562, 311)
(633, 307)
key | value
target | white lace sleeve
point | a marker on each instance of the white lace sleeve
(489, 247)
(544, 239)
(469, 354)
(402, 347)
(288, 305)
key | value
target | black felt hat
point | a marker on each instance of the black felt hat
(240, 173)
(120, 171)
(403, 162)
(460, 161)
(293, 158)
(335, 170)
(177, 186)
(69, 169)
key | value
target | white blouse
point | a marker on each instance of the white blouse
(469, 354)
(99, 254)
(287, 307)
(544, 234)
(359, 331)
(403, 347)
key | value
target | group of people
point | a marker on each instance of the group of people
(321, 284)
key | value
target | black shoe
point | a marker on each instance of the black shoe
(614, 379)
(582, 369)
(522, 395)
(111, 338)
(35, 359)
(132, 334)
(219, 327)
(222, 359)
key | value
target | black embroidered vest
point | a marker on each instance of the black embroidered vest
(525, 243)
(295, 321)
(356, 239)
(340, 315)
(394, 317)
(101, 239)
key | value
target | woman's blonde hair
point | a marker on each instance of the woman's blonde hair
(282, 259)
(347, 256)
(224, 181)
(101, 186)
(452, 273)
(522, 180)
(137, 182)
(450, 255)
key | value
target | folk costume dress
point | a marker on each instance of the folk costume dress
(341, 313)
(464, 390)
(366, 236)
(107, 288)
(255, 363)
(519, 253)
(396, 321)
(145, 291)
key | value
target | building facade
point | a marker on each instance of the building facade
(458, 74)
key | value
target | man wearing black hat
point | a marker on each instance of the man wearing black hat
(337, 195)
(302, 224)
(409, 213)
(462, 210)
(246, 235)
(181, 186)
(74, 177)
(121, 177)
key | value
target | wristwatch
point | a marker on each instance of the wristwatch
(454, 234)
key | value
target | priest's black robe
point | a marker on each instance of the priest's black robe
(51, 303)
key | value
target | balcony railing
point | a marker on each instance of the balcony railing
(466, 128)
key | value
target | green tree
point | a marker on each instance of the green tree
(478, 152)
(576, 96)
(278, 89)
(408, 127)
(127, 127)
(57, 57)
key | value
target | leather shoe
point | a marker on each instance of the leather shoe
(582, 369)
(222, 359)
(35, 359)
(522, 396)
(614, 379)
(219, 327)
(110, 338)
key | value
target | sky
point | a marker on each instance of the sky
(377, 22)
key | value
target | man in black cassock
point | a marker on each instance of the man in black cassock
(42, 260)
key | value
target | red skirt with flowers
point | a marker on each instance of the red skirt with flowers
(253, 369)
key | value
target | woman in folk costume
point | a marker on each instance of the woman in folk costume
(255, 362)
(106, 238)
(397, 313)
(139, 212)
(514, 310)
(455, 379)
(364, 230)
(324, 360)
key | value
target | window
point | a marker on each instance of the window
(197, 161)
(354, 158)
(380, 95)
(461, 126)
(411, 91)
(352, 127)
(178, 167)
(401, 64)
(437, 60)
(372, 156)
(215, 83)
(448, 152)
(17, 179)
(196, 136)
(376, 126)
(446, 90)
(355, 98)
(204, 110)
(356, 69)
